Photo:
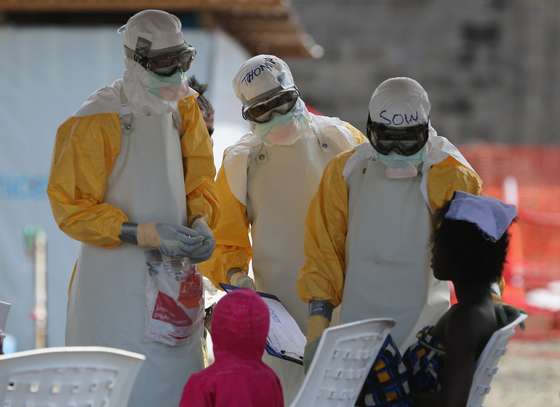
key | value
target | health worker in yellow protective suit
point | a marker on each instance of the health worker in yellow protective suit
(368, 228)
(132, 179)
(265, 185)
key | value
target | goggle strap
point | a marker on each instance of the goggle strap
(143, 47)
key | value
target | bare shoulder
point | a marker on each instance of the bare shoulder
(470, 326)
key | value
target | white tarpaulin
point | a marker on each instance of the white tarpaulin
(45, 75)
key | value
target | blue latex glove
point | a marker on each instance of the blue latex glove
(207, 246)
(171, 240)
(177, 240)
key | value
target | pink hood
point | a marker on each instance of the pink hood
(239, 331)
(240, 326)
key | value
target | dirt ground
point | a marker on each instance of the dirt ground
(529, 376)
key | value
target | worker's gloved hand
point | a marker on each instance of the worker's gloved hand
(239, 278)
(171, 240)
(309, 353)
(207, 246)
(316, 324)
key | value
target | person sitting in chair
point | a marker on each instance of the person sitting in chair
(470, 243)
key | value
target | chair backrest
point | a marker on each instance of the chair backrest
(342, 362)
(4, 309)
(68, 377)
(487, 365)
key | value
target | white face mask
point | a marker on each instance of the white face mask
(400, 166)
(137, 84)
(171, 88)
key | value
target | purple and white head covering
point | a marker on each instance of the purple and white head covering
(490, 215)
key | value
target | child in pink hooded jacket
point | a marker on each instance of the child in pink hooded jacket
(238, 377)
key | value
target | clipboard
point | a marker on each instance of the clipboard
(285, 340)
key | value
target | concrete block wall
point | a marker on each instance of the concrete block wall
(491, 67)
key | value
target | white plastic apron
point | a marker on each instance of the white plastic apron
(281, 182)
(107, 298)
(388, 270)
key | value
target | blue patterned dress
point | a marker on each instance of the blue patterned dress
(393, 378)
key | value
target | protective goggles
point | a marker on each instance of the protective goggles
(262, 112)
(404, 141)
(166, 64)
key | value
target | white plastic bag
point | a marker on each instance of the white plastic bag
(174, 301)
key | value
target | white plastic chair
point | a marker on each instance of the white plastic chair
(68, 377)
(487, 365)
(343, 360)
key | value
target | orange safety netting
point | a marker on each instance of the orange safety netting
(534, 172)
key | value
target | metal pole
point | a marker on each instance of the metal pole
(35, 240)
(40, 254)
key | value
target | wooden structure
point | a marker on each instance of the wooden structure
(261, 26)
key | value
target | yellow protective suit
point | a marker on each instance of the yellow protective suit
(233, 247)
(322, 276)
(345, 255)
(267, 187)
(111, 163)
(85, 151)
